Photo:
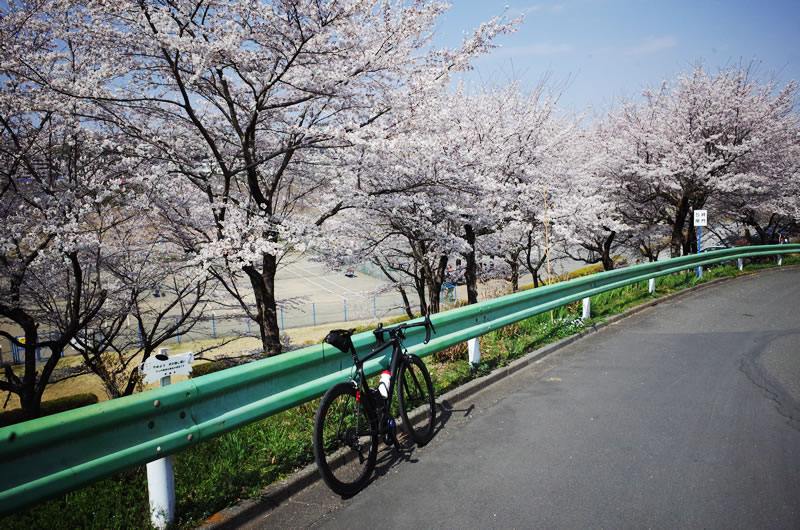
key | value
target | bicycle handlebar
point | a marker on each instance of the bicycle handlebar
(394, 330)
(340, 338)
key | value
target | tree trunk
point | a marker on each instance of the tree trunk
(406, 303)
(30, 401)
(677, 238)
(435, 279)
(533, 269)
(608, 263)
(690, 243)
(471, 267)
(264, 290)
(514, 275)
(419, 283)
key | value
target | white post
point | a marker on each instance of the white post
(700, 271)
(587, 307)
(780, 260)
(161, 481)
(740, 263)
(652, 285)
(474, 351)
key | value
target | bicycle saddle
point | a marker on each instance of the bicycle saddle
(340, 339)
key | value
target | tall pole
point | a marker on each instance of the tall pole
(699, 246)
(547, 242)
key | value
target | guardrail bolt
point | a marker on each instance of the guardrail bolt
(151, 424)
(156, 403)
(158, 449)
(190, 437)
(183, 414)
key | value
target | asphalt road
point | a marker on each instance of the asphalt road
(685, 415)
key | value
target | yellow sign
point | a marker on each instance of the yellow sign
(21, 340)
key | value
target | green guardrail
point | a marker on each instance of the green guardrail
(52, 455)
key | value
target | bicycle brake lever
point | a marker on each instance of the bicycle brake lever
(378, 332)
(428, 328)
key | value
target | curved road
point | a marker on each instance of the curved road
(685, 415)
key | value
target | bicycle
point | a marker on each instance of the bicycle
(352, 417)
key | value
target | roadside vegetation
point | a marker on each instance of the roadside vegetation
(243, 463)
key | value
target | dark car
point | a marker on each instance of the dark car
(711, 248)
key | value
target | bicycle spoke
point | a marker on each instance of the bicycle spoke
(416, 392)
(344, 447)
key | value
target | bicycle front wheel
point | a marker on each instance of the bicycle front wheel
(415, 393)
(345, 440)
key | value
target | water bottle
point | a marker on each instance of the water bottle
(383, 386)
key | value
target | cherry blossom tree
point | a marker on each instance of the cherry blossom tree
(157, 296)
(244, 99)
(445, 188)
(589, 210)
(57, 179)
(701, 136)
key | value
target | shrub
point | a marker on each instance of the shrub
(52, 406)
(453, 353)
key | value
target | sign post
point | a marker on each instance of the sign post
(160, 475)
(700, 220)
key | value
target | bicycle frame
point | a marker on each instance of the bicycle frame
(394, 343)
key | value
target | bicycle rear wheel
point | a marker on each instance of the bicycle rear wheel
(345, 440)
(415, 391)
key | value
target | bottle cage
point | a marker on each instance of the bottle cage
(340, 339)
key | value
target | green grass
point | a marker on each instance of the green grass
(208, 478)
(242, 463)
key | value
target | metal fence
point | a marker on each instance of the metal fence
(58, 453)
(227, 323)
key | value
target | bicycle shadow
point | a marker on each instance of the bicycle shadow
(389, 456)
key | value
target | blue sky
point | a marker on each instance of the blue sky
(608, 49)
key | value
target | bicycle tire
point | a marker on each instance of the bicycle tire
(345, 441)
(415, 390)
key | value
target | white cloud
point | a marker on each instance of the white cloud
(541, 49)
(517, 11)
(652, 45)
(537, 8)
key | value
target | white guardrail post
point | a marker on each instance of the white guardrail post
(161, 478)
(652, 285)
(474, 348)
(587, 308)
(160, 473)
(740, 263)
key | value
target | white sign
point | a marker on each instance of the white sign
(156, 367)
(701, 218)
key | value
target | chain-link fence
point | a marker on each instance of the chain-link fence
(231, 323)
